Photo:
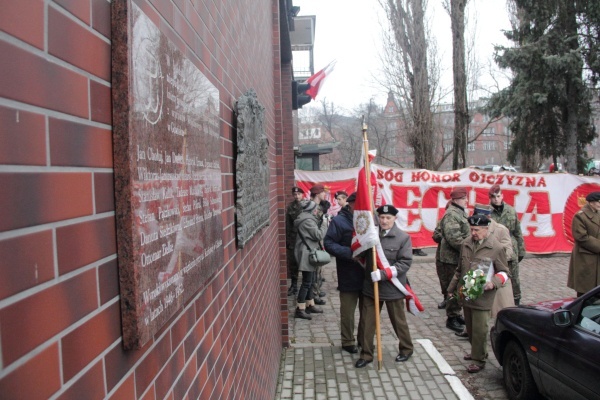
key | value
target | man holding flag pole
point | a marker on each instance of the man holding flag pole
(385, 271)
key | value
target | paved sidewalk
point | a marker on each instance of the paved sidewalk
(315, 367)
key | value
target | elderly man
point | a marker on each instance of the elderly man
(480, 251)
(506, 215)
(293, 210)
(584, 267)
(397, 247)
(453, 229)
(349, 272)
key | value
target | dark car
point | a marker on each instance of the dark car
(550, 348)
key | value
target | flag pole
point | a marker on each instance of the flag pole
(374, 254)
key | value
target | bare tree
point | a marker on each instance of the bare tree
(406, 71)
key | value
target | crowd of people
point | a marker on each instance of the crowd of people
(488, 242)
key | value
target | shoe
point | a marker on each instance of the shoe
(462, 334)
(301, 314)
(322, 294)
(460, 319)
(403, 357)
(350, 349)
(467, 357)
(442, 305)
(313, 310)
(292, 291)
(361, 363)
(452, 323)
(474, 368)
(419, 252)
(517, 302)
(320, 302)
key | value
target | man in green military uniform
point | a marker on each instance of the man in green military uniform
(506, 215)
(454, 229)
(293, 210)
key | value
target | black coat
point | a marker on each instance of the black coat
(337, 243)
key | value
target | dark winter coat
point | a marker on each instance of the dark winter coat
(308, 228)
(337, 243)
(584, 267)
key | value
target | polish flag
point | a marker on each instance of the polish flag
(317, 79)
(366, 236)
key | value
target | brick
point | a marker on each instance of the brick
(24, 20)
(79, 8)
(22, 137)
(37, 318)
(104, 192)
(101, 16)
(86, 342)
(147, 370)
(81, 244)
(89, 386)
(126, 391)
(185, 381)
(185, 323)
(37, 81)
(25, 382)
(29, 199)
(78, 145)
(25, 261)
(108, 281)
(167, 376)
(101, 105)
(119, 362)
(76, 45)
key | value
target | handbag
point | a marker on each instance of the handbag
(316, 257)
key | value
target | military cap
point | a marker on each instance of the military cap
(495, 189)
(478, 220)
(387, 209)
(317, 189)
(351, 198)
(296, 189)
(484, 209)
(594, 196)
(458, 193)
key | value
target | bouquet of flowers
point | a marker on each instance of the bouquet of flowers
(473, 283)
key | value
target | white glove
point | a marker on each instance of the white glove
(376, 276)
(385, 275)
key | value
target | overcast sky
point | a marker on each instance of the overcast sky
(349, 32)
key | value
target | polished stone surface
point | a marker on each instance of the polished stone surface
(167, 174)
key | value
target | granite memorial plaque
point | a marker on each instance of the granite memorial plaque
(252, 169)
(167, 174)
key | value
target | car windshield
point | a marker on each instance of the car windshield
(589, 319)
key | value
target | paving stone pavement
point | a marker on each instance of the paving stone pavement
(315, 367)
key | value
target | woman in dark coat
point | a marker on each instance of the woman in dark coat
(584, 267)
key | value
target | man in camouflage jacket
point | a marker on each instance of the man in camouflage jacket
(454, 229)
(506, 215)
(293, 210)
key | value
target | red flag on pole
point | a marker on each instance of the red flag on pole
(317, 79)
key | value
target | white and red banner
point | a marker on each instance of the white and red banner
(545, 203)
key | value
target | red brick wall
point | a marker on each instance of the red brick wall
(60, 329)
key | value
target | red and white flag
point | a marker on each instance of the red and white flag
(316, 80)
(366, 236)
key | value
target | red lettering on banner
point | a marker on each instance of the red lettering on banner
(390, 175)
(491, 179)
(401, 198)
(537, 218)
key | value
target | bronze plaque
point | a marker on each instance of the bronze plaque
(167, 174)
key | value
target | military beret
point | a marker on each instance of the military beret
(594, 196)
(296, 189)
(351, 198)
(308, 205)
(458, 193)
(387, 209)
(478, 220)
(340, 192)
(317, 189)
(484, 209)
(495, 189)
